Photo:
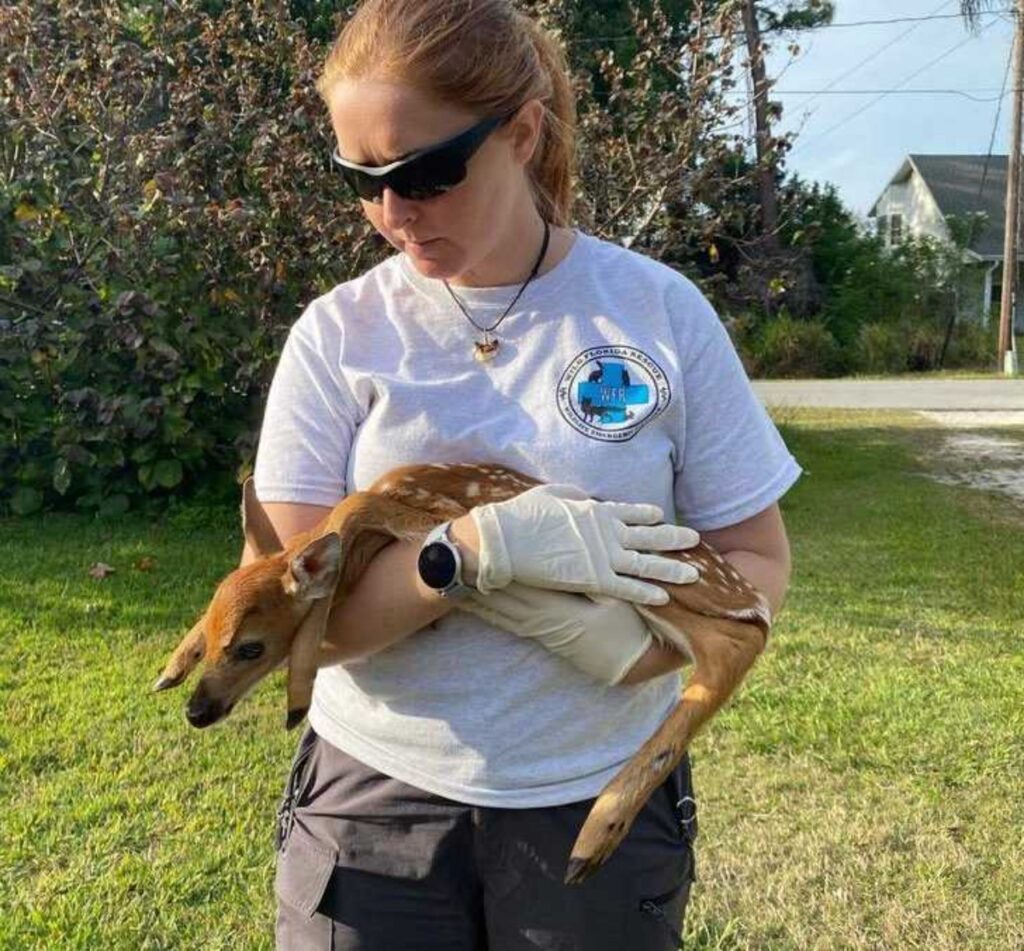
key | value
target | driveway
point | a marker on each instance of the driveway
(992, 395)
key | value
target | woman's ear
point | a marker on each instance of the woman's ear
(524, 130)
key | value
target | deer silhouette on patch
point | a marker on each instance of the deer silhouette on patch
(607, 393)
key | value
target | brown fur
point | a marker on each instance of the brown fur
(720, 622)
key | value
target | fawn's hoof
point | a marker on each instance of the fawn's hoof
(597, 840)
(580, 870)
(295, 717)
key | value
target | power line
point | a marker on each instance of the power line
(863, 62)
(930, 16)
(995, 124)
(966, 93)
(867, 59)
(622, 38)
(853, 115)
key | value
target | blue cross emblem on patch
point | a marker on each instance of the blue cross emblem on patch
(610, 392)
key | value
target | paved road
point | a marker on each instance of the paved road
(995, 394)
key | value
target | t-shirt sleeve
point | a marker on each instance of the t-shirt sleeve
(733, 462)
(309, 422)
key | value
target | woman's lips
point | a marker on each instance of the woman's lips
(420, 245)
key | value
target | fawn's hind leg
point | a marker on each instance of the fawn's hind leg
(723, 651)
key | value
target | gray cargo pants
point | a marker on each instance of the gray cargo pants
(368, 862)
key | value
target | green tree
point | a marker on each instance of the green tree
(971, 11)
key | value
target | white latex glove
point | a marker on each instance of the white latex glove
(555, 536)
(604, 637)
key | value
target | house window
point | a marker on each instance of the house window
(895, 229)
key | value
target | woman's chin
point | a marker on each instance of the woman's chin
(429, 260)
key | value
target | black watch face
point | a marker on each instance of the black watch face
(437, 565)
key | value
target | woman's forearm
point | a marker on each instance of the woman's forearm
(390, 601)
(386, 605)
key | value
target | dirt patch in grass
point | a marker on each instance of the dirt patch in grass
(980, 452)
(993, 463)
(975, 419)
(988, 462)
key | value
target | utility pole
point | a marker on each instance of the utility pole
(1007, 358)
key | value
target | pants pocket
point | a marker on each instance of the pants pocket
(304, 867)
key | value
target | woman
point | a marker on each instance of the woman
(434, 800)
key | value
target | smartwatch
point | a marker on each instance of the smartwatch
(440, 564)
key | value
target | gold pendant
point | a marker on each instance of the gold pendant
(484, 350)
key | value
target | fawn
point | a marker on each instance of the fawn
(274, 610)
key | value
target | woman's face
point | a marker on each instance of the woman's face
(458, 231)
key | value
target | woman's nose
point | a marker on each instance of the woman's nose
(396, 210)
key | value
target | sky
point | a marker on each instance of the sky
(859, 153)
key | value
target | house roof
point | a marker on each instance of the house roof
(961, 184)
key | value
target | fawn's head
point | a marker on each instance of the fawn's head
(263, 615)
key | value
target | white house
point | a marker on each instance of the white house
(927, 188)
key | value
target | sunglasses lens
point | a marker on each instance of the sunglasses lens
(365, 186)
(429, 176)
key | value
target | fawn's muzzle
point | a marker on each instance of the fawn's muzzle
(204, 710)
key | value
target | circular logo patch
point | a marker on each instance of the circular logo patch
(609, 393)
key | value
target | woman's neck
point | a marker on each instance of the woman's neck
(513, 261)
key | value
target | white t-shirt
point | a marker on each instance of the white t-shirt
(613, 374)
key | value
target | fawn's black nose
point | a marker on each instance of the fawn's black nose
(202, 709)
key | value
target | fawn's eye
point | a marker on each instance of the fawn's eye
(248, 651)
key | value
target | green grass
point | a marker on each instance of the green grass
(863, 791)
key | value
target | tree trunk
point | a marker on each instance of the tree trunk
(762, 138)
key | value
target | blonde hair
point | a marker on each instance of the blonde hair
(481, 55)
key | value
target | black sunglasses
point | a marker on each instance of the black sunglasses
(423, 174)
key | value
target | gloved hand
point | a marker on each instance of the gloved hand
(604, 637)
(555, 536)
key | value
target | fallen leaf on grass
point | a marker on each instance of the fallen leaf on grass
(100, 570)
(145, 563)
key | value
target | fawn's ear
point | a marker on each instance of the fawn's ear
(256, 527)
(313, 572)
(185, 657)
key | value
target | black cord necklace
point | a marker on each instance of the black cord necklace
(484, 350)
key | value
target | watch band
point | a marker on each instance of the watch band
(435, 546)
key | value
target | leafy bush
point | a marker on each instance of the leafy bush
(973, 346)
(908, 347)
(167, 207)
(786, 347)
(893, 308)
(880, 348)
(924, 345)
(165, 212)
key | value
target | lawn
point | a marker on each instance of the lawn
(863, 791)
